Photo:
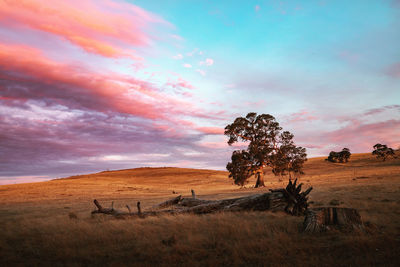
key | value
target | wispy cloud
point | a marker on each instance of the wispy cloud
(181, 83)
(211, 130)
(207, 62)
(202, 72)
(178, 57)
(83, 23)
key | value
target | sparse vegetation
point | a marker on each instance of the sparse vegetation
(342, 156)
(383, 152)
(267, 147)
(36, 229)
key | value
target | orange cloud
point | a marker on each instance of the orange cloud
(102, 27)
(47, 80)
(211, 130)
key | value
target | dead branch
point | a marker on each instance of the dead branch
(129, 209)
(139, 209)
(193, 194)
(100, 209)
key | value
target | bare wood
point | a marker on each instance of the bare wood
(289, 200)
(322, 219)
(139, 208)
(267, 201)
(296, 201)
(168, 203)
(193, 194)
(129, 209)
(100, 209)
(191, 202)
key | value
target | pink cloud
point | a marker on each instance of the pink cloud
(301, 116)
(207, 62)
(202, 72)
(101, 27)
(181, 83)
(186, 65)
(257, 8)
(214, 145)
(211, 130)
(381, 109)
(76, 86)
(178, 57)
(362, 136)
(57, 146)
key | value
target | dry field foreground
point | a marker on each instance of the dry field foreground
(38, 224)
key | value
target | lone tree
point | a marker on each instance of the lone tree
(342, 156)
(383, 152)
(267, 147)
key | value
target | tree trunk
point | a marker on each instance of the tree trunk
(323, 219)
(260, 179)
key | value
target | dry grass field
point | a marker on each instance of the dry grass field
(49, 223)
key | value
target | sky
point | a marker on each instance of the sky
(94, 85)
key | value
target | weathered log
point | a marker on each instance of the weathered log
(324, 218)
(296, 201)
(191, 202)
(100, 209)
(168, 203)
(289, 200)
(258, 202)
(274, 201)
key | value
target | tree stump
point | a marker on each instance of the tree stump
(324, 218)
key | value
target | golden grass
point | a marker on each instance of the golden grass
(49, 223)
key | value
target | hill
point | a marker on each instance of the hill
(50, 222)
(160, 182)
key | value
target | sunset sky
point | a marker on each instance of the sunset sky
(91, 85)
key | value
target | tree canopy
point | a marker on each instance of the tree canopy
(342, 156)
(267, 147)
(383, 152)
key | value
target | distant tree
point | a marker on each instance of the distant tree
(383, 152)
(342, 156)
(267, 147)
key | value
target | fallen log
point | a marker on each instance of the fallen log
(290, 200)
(297, 202)
(258, 202)
(191, 202)
(324, 218)
(168, 203)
